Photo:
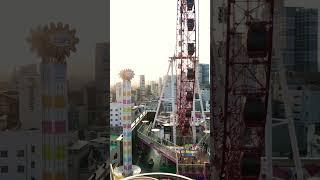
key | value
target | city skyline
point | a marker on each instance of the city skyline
(149, 81)
(148, 38)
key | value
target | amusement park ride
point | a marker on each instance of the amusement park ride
(241, 85)
(188, 128)
(53, 45)
(237, 144)
(241, 98)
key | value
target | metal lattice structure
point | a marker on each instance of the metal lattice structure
(242, 88)
(188, 150)
(186, 57)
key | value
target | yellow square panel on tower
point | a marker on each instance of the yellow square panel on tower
(60, 152)
(59, 102)
(46, 101)
(46, 152)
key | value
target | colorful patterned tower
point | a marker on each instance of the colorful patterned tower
(53, 45)
(127, 75)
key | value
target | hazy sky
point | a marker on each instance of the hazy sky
(143, 35)
(142, 32)
(90, 18)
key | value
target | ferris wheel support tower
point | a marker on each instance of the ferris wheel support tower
(241, 88)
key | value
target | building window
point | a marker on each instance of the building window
(4, 169)
(33, 164)
(20, 169)
(33, 148)
(3, 154)
(20, 153)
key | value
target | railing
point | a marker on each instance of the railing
(167, 149)
(137, 121)
(157, 175)
(155, 142)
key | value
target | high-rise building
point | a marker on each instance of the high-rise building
(167, 94)
(14, 79)
(299, 34)
(135, 96)
(119, 92)
(304, 88)
(90, 102)
(160, 86)
(29, 96)
(205, 96)
(8, 112)
(148, 91)
(203, 74)
(102, 70)
(142, 88)
(204, 83)
(77, 111)
(154, 88)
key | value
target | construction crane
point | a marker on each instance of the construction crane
(241, 88)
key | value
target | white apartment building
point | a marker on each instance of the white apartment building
(115, 114)
(29, 96)
(20, 155)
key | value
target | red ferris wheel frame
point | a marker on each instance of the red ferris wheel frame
(245, 76)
